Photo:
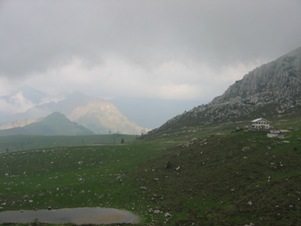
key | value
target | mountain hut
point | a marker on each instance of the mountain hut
(260, 124)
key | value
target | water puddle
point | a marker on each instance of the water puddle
(75, 215)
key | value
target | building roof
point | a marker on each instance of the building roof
(260, 119)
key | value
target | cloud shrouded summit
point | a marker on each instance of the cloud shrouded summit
(172, 50)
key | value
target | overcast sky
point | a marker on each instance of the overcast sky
(182, 53)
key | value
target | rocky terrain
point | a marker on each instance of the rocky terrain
(271, 90)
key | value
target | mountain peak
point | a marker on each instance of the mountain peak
(52, 125)
(59, 124)
(270, 90)
(57, 116)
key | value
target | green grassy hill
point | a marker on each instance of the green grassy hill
(54, 124)
(215, 176)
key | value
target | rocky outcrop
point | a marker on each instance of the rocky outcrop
(269, 90)
(276, 82)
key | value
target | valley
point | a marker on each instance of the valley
(150, 113)
(214, 176)
(207, 166)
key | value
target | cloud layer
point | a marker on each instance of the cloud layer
(173, 49)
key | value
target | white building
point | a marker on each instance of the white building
(261, 123)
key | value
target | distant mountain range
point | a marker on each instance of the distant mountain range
(97, 115)
(271, 90)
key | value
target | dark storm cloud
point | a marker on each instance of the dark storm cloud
(38, 35)
(179, 53)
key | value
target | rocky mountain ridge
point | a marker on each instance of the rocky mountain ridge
(270, 90)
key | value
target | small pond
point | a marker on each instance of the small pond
(75, 215)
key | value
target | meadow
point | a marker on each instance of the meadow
(22, 142)
(211, 176)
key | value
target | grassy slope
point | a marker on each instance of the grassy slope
(226, 178)
(76, 177)
(229, 180)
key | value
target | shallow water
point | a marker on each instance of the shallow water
(74, 215)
